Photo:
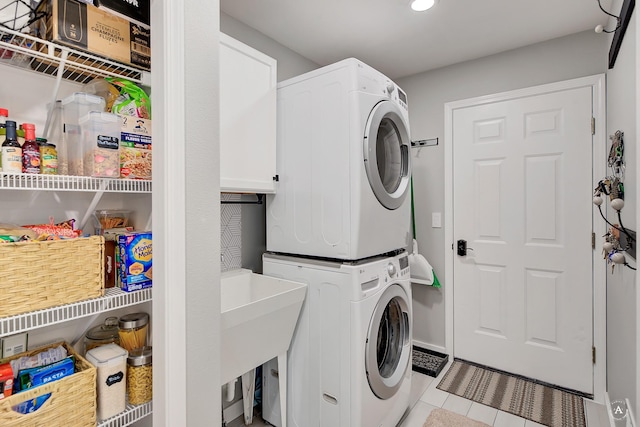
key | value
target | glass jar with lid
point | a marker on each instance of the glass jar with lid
(106, 333)
(140, 376)
(133, 331)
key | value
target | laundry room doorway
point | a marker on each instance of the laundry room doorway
(525, 289)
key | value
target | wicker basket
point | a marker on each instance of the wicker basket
(72, 401)
(38, 275)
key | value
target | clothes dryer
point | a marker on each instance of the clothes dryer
(343, 165)
(349, 359)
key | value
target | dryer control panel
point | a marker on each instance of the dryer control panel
(403, 262)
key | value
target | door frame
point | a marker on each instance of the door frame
(599, 170)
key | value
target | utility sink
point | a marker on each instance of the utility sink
(259, 314)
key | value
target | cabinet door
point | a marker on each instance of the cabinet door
(247, 118)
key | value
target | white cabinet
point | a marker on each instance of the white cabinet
(247, 119)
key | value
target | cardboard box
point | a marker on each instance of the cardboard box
(6, 380)
(14, 344)
(135, 148)
(109, 264)
(138, 11)
(136, 260)
(85, 27)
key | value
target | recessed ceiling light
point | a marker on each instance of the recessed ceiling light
(422, 5)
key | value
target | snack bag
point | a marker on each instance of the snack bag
(133, 100)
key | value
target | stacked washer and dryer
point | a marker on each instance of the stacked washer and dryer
(340, 222)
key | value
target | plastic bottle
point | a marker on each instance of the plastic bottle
(4, 116)
(11, 150)
(30, 150)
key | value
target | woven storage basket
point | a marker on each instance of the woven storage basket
(72, 402)
(38, 275)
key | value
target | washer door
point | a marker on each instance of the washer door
(386, 154)
(388, 345)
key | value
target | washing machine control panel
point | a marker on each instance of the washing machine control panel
(390, 87)
(391, 270)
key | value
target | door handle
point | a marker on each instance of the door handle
(462, 248)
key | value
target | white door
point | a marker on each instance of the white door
(522, 191)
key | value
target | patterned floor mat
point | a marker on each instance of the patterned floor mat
(428, 362)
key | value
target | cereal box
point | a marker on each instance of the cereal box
(135, 148)
(136, 256)
(6, 380)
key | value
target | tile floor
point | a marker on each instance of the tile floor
(425, 397)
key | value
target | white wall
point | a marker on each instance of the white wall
(568, 57)
(622, 327)
(290, 63)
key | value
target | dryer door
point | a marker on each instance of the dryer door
(386, 154)
(388, 345)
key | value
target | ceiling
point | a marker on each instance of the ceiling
(397, 41)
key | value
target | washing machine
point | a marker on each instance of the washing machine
(349, 359)
(343, 165)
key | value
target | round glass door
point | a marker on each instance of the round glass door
(386, 154)
(388, 343)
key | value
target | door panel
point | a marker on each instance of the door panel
(522, 200)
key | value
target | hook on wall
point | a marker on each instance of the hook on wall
(600, 28)
(622, 22)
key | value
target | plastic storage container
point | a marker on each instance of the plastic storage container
(133, 330)
(110, 361)
(75, 107)
(110, 218)
(140, 376)
(106, 333)
(101, 144)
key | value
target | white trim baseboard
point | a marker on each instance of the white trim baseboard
(607, 404)
(631, 419)
(233, 411)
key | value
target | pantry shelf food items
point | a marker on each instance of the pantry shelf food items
(140, 376)
(42, 274)
(75, 107)
(101, 144)
(134, 329)
(85, 27)
(111, 218)
(135, 260)
(106, 333)
(103, 131)
(135, 148)
(69, 396)
(110, 361)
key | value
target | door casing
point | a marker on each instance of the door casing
(598, 84)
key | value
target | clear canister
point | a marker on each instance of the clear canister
(133, 331)
(140, 376)
(110, 361)
(102, 334)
